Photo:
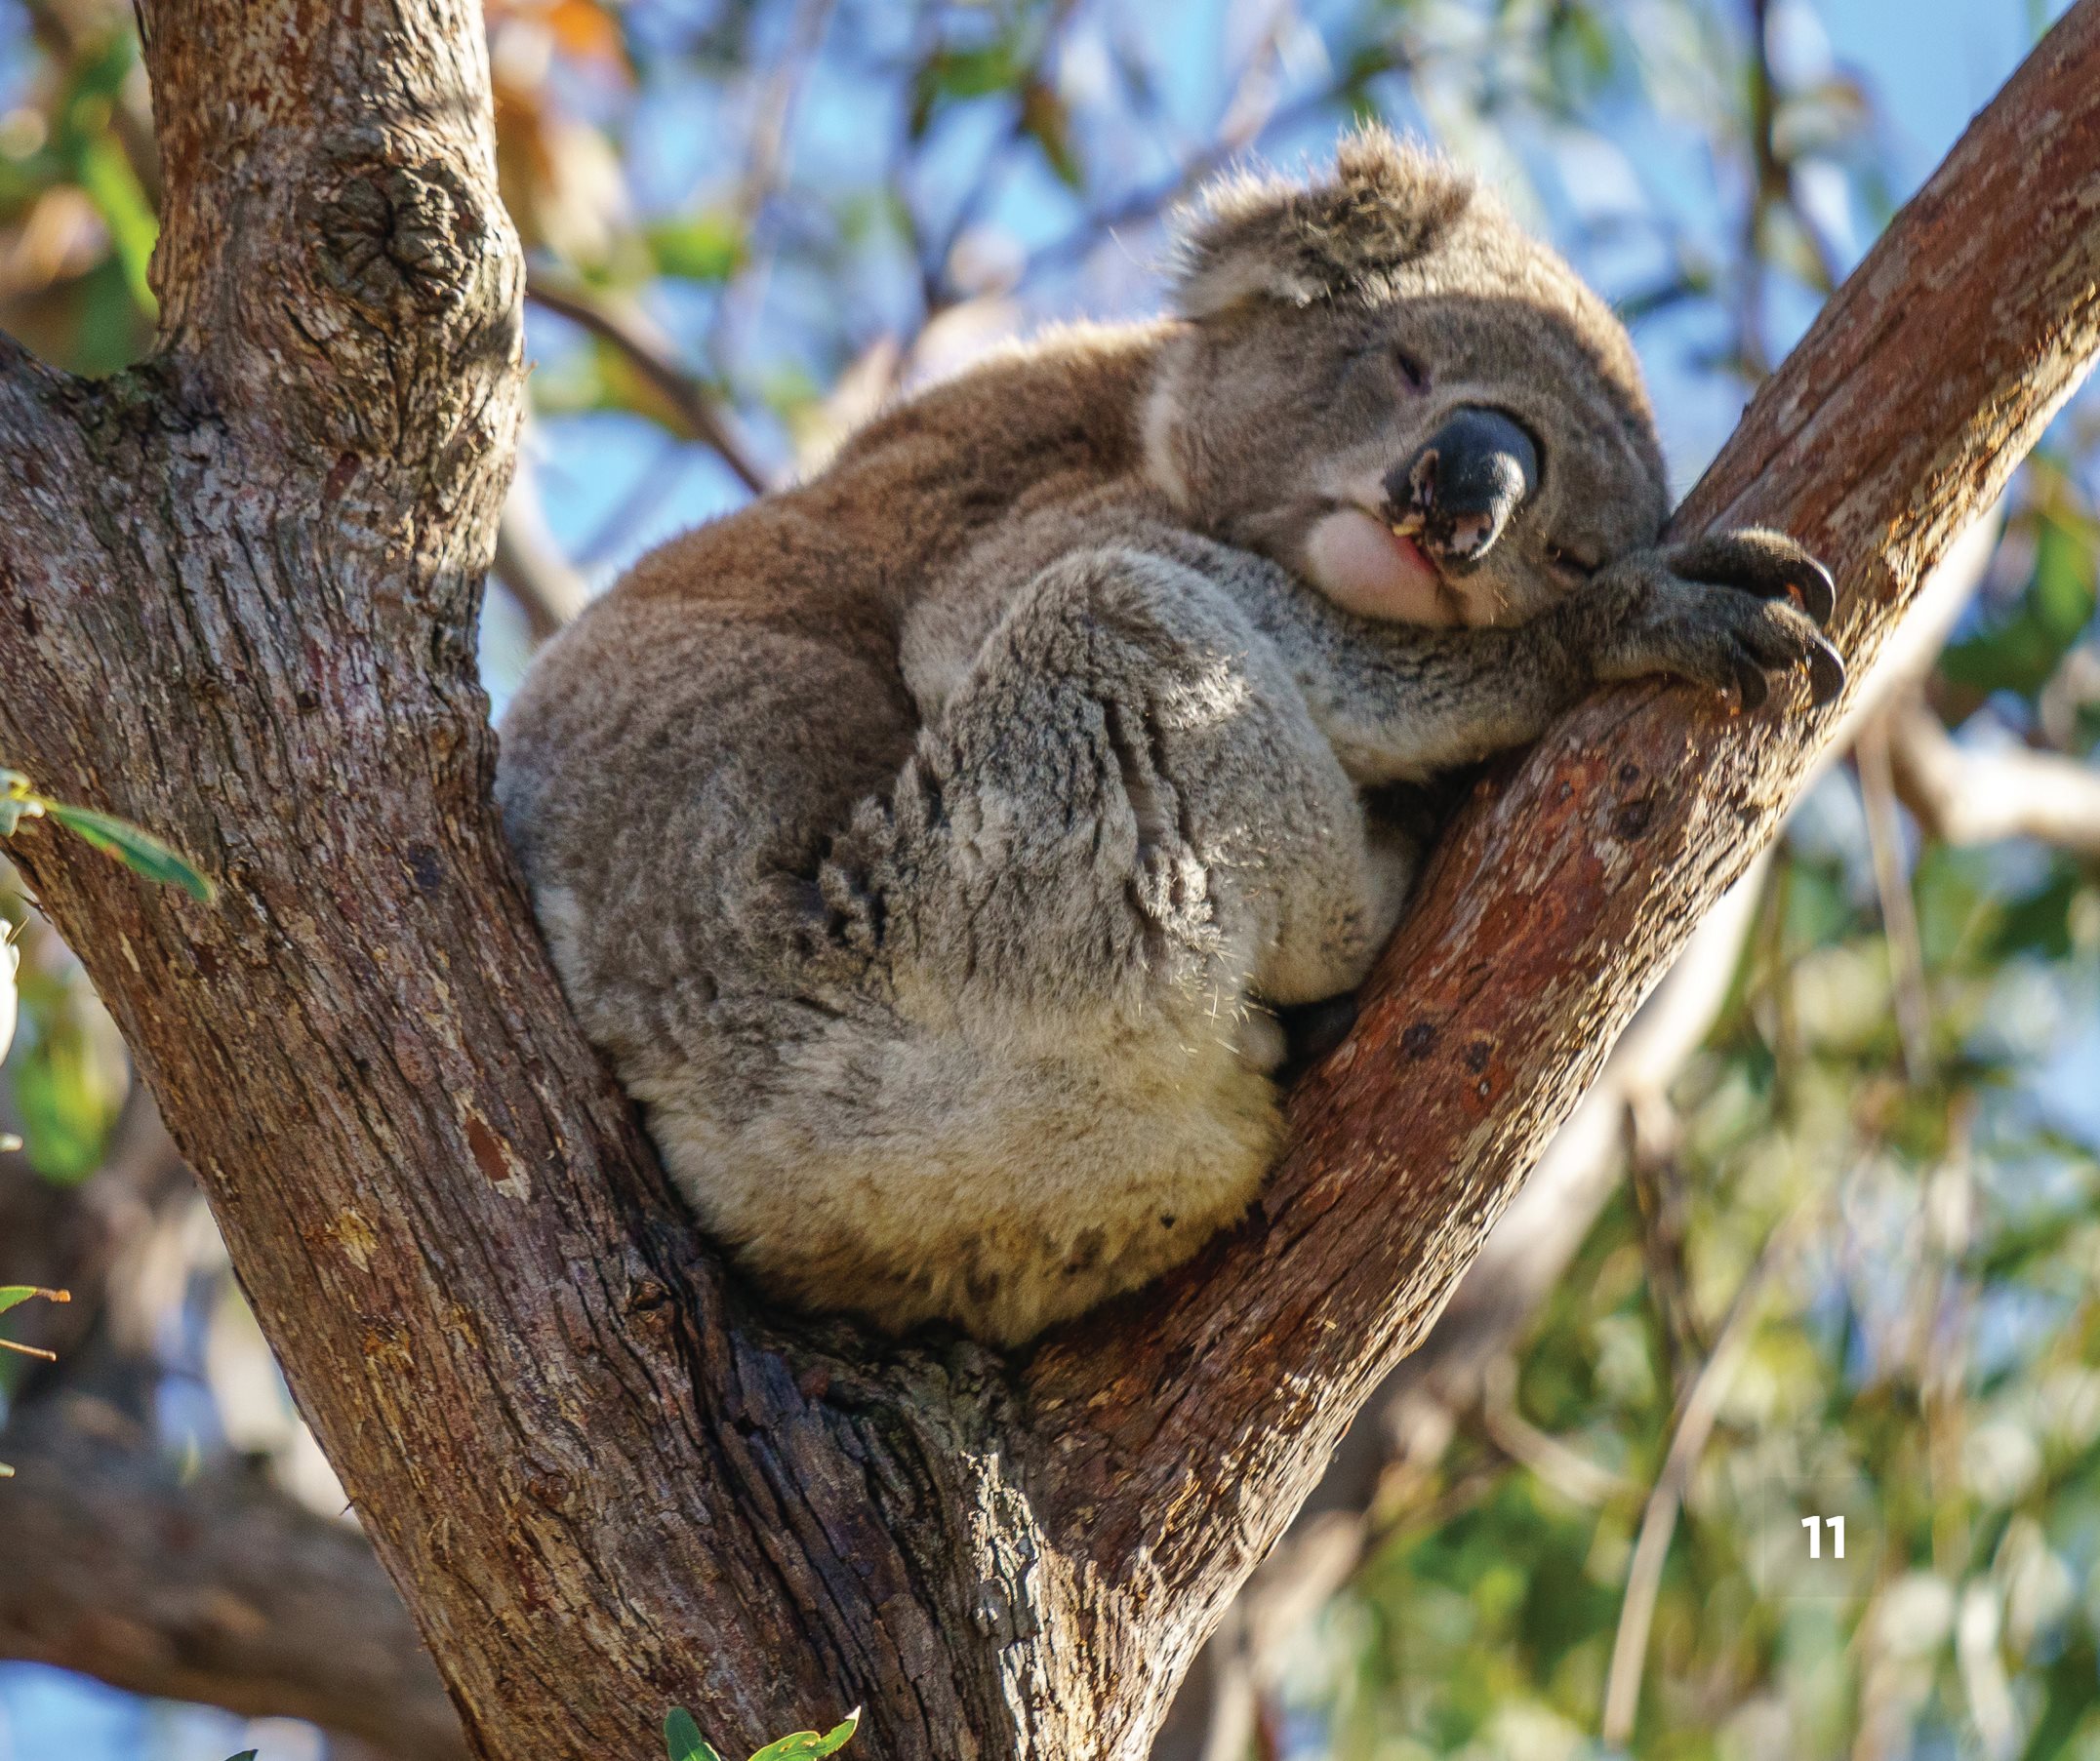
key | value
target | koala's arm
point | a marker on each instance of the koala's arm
(1400, 703)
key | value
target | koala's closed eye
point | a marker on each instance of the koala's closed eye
(1396, 361)
(1573, 563)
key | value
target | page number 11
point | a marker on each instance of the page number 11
(1814, 1526)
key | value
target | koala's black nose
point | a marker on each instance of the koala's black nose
(1461, 490)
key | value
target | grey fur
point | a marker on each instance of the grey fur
(927, 845)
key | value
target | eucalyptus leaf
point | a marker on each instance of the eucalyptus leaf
(709, 246)
(14, 1296)
(137, 850)
(682, 1738)
(807, 1745)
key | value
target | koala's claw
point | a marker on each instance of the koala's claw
(1750, 689)
(1826, 673)
(1769, 564)
(1818, 591)
(1727, 610)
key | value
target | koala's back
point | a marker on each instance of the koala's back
(678, 770)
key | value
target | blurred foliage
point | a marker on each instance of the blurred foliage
(808, 205)
(67, 1070)
(1931, 1366)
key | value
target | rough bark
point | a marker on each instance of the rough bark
(237, 603)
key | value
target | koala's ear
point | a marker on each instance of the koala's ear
(1237, 244)
(1252, 236)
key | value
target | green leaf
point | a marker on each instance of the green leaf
(954, 75)
(2021, 651)
(137, 850)
(246, 1755)
(961, 73)
(682, 1738)
(68, 1098)
(1043, 115)
(109, 327)
(14, 1296)
(70, 1074)
(111, 184)
(702, 246)
(2040, 921)
(807, 1745)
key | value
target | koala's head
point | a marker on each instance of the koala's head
(1387, 386)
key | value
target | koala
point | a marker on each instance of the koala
(930, 847)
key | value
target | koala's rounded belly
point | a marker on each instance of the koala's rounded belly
(921, 1178)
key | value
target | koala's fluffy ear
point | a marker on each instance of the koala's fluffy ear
(1260, 237)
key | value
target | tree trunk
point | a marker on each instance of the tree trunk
(237, 595)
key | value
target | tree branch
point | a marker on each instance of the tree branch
(530, 564)
(215, 1588)
(1972, 795)
(1408, 1424)
(650, 355)
(116, 1561)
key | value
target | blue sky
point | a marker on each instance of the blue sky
(1930, 65)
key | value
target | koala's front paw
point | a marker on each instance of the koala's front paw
(1720, 610)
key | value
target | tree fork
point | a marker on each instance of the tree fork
(237, 593)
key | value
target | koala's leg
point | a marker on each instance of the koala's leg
(1120, 836)
(1126, 806)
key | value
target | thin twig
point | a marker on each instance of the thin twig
(766, 154)
(1960, 795)
(1899, 910)
(532, 569)
(1148, 205)
(1658, 1181)
(1568, 1470)
(766, 162)
(1693, 1426)
(1769, 183)
(650, 354)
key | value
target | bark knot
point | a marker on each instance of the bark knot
(398, 240)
